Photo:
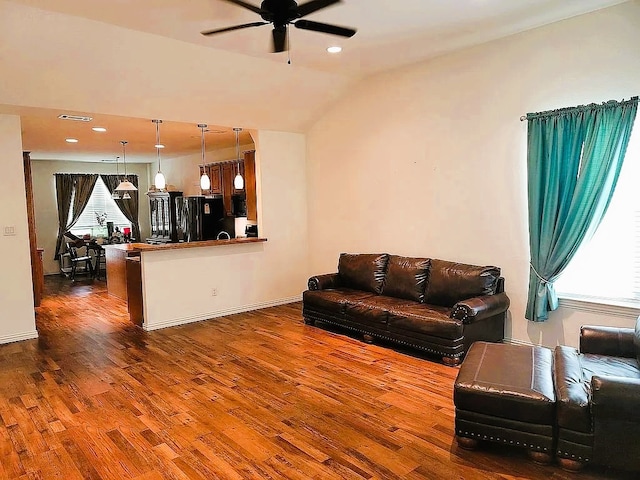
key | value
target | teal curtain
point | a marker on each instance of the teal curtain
(574, 159)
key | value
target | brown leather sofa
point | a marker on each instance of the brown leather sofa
(598, 399)
(433, 305)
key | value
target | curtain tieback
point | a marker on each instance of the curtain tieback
(540, 277)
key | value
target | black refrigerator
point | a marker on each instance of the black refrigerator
(200, 217)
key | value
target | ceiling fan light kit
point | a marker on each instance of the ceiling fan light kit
(281, 14)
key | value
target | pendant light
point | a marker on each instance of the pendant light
(205, 181)
(115, 195)
(238, 182)
(159, 181)
(125, 185)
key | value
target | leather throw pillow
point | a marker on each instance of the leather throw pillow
(451, 282)
(406, 277)
(363, 271)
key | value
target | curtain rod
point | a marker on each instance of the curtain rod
(561, 110)
(116, 174)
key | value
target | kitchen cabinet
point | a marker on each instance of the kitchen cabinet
(134, 290)
(249, 167)
(214, 171)
(164, 218)
(222, 176)
(228, 174)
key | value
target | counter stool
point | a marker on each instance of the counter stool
(504, 393)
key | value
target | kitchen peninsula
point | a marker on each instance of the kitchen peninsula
(135, 270)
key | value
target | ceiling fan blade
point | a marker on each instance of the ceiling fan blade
(279, 40)
(325, 28)
(246, 5)
(314, 6)
(236, 27)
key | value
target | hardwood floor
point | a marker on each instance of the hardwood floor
(256, 395)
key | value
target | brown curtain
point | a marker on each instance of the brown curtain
(76, 186)
(130, 207)
(64, 192)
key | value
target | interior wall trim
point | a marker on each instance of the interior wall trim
(18, 337)
(513, 341)
(599, 308)
(220, 313)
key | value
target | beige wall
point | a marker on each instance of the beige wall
(178, 283)
(431, 160)
(17, 319)
(46, 209)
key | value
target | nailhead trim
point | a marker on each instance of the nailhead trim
(457, 310)
(413, 345)
(498, 439)
(567, 455)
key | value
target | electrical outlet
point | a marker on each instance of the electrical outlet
(9, 230)
(214, 292)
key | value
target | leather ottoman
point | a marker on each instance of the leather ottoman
(505, 393)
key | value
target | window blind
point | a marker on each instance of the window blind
(100, 203)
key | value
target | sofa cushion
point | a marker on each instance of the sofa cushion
(363, 271)
(636, 340)
(573, 373)
(406, 277)
(366, 313)
(451, 282)
(332, 300)
(426, 320)
(572, 390)
(374, 309)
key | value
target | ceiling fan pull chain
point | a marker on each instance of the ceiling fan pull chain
(288, 45)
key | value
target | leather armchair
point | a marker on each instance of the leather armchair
(598, 399)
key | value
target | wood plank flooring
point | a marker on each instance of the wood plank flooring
(250, 396)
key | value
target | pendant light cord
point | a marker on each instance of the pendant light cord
(237, 130)
(157, 122)
(124, 158)
(202, 127)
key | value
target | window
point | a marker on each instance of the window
(99, 204)
(607, 268)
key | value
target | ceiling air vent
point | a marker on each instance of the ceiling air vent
(77, 118)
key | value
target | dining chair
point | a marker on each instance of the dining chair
(76, 260)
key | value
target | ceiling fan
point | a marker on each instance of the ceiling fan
(282, 13)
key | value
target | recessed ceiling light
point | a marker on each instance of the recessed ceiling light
(159, 145)
(334, 49)
(71, 140)
(99, 129)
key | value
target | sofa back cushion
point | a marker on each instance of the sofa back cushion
(406, 277)
(636, 340)
(451, 282)
(363, 271)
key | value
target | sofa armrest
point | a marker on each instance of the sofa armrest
(615, 398)
(477, 308)
(323, 282)
(611, 341)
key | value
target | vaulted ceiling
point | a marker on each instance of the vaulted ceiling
(231, 78)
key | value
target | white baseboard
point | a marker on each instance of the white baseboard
(18, 337)
(221, 313)
(513, 341)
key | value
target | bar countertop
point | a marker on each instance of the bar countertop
(146, 247)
